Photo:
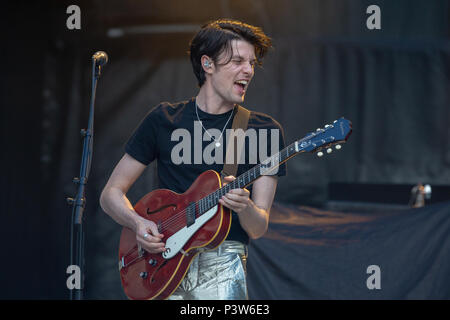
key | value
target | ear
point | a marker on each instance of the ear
(207, 64)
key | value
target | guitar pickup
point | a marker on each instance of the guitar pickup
(190, 214)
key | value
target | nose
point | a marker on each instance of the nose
(248, 68)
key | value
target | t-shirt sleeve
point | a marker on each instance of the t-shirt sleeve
(142, 145)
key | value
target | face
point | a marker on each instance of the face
(230, 81)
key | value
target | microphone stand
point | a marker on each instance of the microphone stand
(78, 203)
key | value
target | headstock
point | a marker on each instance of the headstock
(324, 138)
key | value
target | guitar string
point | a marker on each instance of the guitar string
(178, 219)
(129, 252)
(179, 216)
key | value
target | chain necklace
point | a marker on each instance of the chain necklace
(217, 141)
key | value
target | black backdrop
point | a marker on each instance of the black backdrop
(392, 83)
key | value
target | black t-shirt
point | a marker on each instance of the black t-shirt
(172, 134)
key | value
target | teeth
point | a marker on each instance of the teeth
(242, 82)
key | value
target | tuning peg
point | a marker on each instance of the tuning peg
(338, 146)
(329, 150)
(318, 129)
(327, 125)
(334, 121)
(319, 154)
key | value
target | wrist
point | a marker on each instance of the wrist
(136, 220)
(250, 209)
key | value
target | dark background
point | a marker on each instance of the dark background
(392, 83)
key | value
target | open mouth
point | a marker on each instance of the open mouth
(241, 85)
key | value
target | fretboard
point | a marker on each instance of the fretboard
(266, 167)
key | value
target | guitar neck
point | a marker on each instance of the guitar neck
(247, 178)
(338, 132)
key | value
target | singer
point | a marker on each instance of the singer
(223, 54)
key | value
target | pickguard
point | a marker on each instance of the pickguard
(176, 242)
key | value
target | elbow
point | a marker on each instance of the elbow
(255, 236)
(103, 199)
(258, 233)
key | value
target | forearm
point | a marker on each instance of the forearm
(115, 203)
(254, 220)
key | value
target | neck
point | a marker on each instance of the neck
(210, 102)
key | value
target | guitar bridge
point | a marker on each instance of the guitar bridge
(121, 263)
(140, 251)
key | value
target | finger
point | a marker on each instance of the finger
(225, 204)
(154, 247)
(153, 230)
(236, 197)
(151, 246)
(150, 241)
(243, 192)
(228, 179)
(231, 203)
(148, 237)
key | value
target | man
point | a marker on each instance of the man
(223, 55)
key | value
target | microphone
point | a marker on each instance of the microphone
(100, 58)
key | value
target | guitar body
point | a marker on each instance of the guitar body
(156, 276)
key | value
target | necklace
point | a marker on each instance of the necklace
(217, 141)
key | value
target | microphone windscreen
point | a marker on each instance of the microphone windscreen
(100, 57)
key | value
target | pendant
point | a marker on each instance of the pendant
(217, 144)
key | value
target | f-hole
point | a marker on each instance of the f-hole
(152, 279)
(162, 208)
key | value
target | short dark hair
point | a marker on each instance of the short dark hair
(215, 37)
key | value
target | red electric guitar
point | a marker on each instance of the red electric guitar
(194, 221)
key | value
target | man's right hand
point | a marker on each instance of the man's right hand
(148, 237)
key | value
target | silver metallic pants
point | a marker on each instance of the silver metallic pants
(218, 274)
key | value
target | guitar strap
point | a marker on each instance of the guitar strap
(232, 157)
